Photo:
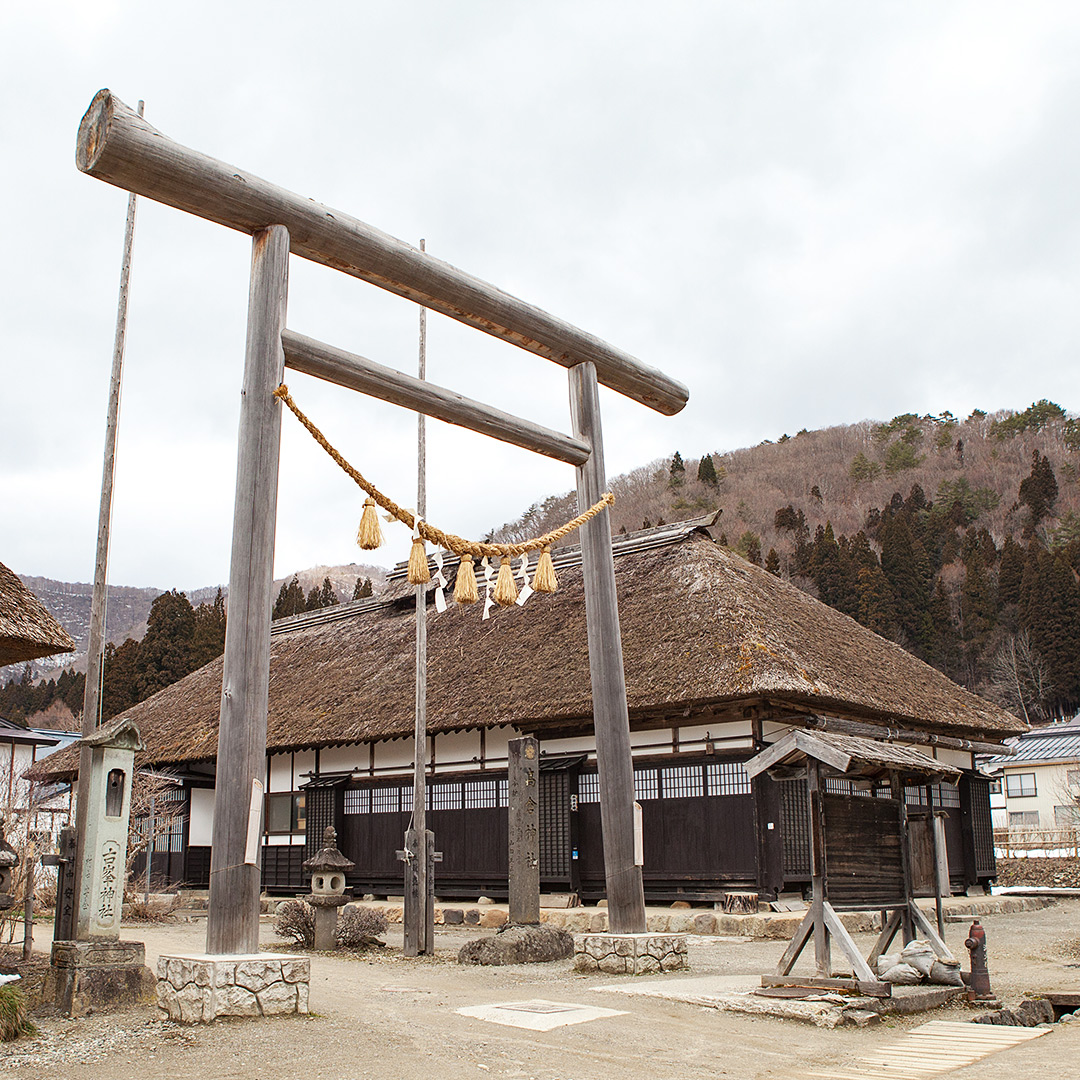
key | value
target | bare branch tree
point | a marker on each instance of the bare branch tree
(1019, 680)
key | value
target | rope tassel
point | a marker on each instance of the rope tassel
(505, 593)
(369, 535)
(465, 591)
(418, 567)
(544, 579)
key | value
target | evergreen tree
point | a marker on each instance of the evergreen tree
(327, 596)
(905, 564)
(706, 471)
(165, 652)
(876, 606)
(208, 638)
(290, 600)
(772, 562)
(362, 589)
(1038, 491)
(119, 675)
(1010, 573)
(314, 599)
(677, 470)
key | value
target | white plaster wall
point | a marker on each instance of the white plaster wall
(729, 729)
(960, 759)
(342, 758)
(201, 823)
(303, 762)
(395, 754)
(280, 773)
(457, 746)
(568, 746)
(496, 742)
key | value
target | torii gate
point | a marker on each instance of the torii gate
(116, 145)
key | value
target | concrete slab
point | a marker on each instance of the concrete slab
(538, 1014)
(736, 993)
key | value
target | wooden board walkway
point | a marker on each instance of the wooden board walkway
(928, 1051)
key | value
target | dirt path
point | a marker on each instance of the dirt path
(385, 1016)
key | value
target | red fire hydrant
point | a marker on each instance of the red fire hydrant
(979, 979)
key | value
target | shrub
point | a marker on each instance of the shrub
(295, 921)
(13, 1019)
(358, 927)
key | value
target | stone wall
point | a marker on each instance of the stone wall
(629, 954)
(198, 989)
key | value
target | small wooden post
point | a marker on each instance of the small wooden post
(28, 902)
(611, 721)
(941, 874)
(64, 861)
(900, 794)
(233, 916)
(822, 949)
(523, 765)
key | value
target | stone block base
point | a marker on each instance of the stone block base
(196, 989)
(87, 976)
(630, 954)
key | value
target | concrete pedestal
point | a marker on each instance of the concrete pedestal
(630, 954)
(198, 988)
(97, 975)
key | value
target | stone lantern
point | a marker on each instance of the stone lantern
(328, 868)
(8, 861)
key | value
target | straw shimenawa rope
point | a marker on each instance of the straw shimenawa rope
(458, 545)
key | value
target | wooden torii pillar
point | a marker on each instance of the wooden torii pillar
(119, 147)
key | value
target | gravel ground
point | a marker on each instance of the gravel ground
(382, 1015)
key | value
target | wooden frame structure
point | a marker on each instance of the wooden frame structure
(864, 760)
(119, 147)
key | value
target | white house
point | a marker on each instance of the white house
(1038, 786)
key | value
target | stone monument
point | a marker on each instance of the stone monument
(97, 969)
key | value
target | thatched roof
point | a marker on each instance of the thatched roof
(27, 630)
(705, 634)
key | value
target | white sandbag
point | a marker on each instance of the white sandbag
(920, 955)
(946, 973)
(886, 961)
(901, 975)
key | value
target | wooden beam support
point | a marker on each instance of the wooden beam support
(233, 916)
(119, 147)
(358, 373)
(611, 720)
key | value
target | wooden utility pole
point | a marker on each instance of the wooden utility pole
(419, 913)
(611, 721)
(96, 643)
(233, 918)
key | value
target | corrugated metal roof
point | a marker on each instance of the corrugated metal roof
(1041, 747)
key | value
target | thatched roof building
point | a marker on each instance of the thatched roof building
(27, 630)
(706, 635)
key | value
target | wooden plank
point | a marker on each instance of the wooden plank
(233, 916)
(797, 944)
(611, 721)
(358, 373)
(868, 987)
(117, 146)
(923, 923)
(888, 932)
(848, 947)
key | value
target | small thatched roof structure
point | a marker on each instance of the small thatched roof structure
(706, 636)
(27, 630)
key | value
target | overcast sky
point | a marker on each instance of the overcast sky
(809, 213)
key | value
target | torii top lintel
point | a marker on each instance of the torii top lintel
(118, 146)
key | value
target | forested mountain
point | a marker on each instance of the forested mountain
(958, 539)
(174, 637)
